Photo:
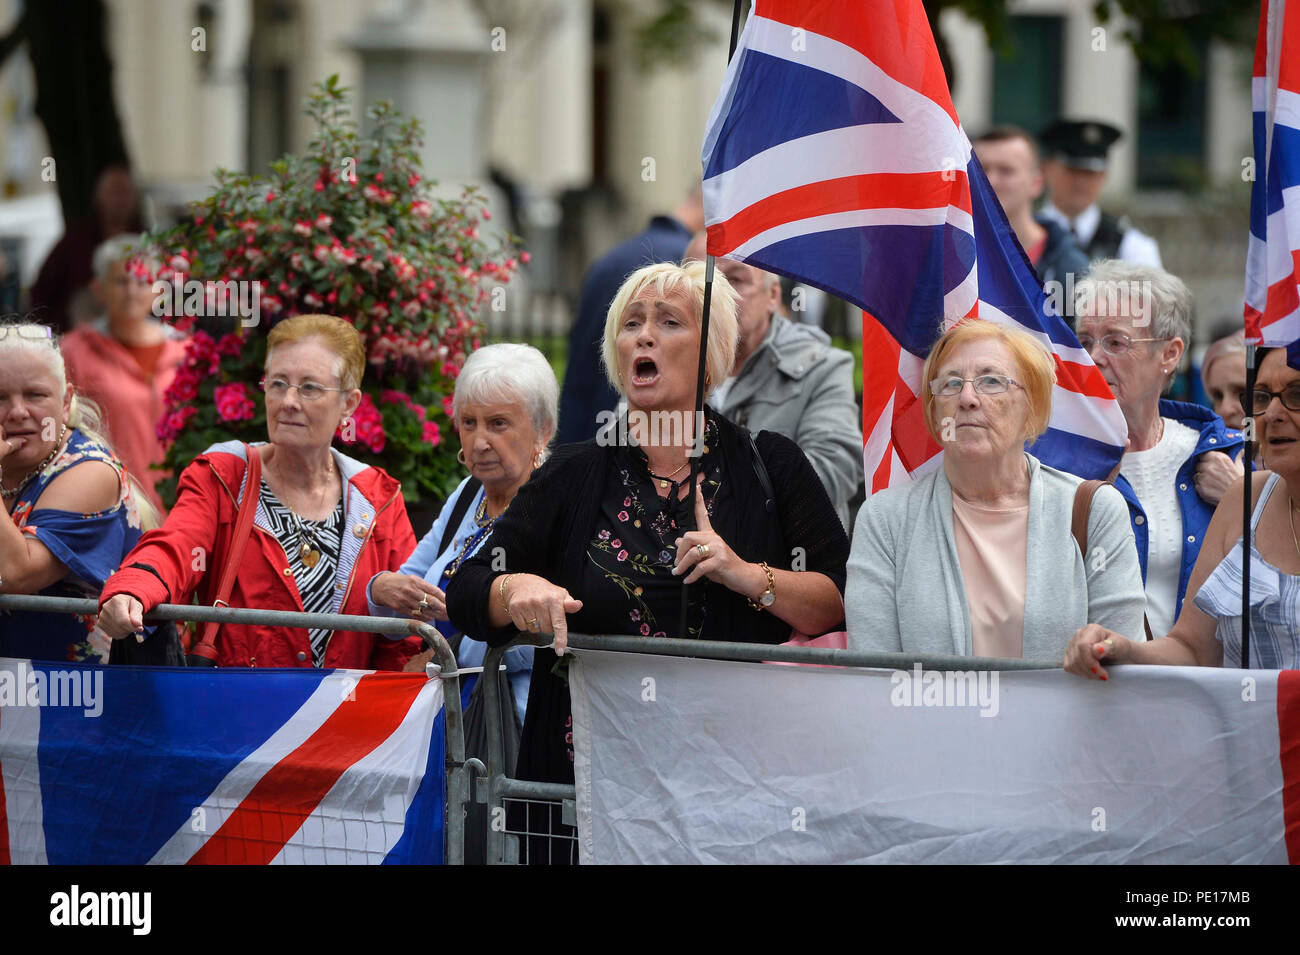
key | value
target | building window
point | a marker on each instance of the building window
(1027, 73)
(1171, 124)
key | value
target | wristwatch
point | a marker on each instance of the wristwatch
(768, 596)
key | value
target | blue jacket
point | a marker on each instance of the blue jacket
(1196, 512)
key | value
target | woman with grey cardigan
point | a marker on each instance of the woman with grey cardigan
(977, 557)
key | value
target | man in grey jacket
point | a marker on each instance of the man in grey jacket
(790, 379)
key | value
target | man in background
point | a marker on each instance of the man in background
(1009, 156)
(586, 391)
(1076, 172)
(790, 379)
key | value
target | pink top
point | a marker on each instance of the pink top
(107, 372)
(991, 546)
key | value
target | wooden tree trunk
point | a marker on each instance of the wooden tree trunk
(74, 95)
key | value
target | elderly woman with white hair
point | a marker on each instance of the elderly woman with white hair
(70, 511)
(603, 537)
(1135, 320)
(504, 408)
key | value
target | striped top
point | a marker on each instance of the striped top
(1274, 605)
(315, 583)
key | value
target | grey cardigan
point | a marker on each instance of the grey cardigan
(905, 591)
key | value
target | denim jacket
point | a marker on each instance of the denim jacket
(1196, 511)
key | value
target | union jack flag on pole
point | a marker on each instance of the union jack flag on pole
(834, 155)
(1273, 256)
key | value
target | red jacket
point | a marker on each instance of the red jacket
(189, 550)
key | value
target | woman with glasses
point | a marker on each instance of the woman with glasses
(976, 557)
(1135, 321)
(70, 511)
(1208, 631)
(325, 524)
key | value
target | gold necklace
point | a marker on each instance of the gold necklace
(10, 493)
(664, 481)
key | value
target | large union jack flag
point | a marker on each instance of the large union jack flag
(834, 156)
(134, 765)
(1273, 256)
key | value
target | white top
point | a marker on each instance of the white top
(1136, 247)
(1154, 476)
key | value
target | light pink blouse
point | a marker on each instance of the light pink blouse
(991, 546)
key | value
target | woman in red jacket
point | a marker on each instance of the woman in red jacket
(325, 523)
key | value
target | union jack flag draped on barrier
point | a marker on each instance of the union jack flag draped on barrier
(134, 765)
(1273, 256)
(834, 156)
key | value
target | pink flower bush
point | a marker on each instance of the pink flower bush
(367, 427)
(174, 422)
(349, 227)
(233, 402)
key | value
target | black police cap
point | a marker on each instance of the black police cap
(1082, 144)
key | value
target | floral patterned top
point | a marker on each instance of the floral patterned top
(91, 546)
(630, 559)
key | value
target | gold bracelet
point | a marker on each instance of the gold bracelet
(768, 596)
(501, 592)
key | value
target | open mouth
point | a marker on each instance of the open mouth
(644, 371)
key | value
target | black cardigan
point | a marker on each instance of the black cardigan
(548, 526)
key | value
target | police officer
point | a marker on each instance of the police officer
(1075, 169)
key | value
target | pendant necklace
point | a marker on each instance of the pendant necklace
(664, 481)
(309, 554)
(10, 493)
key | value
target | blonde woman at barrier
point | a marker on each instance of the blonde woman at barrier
(977, 558)
(603, 535)
(70, 511)
(1208, 629)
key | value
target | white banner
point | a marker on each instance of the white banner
(680, 760)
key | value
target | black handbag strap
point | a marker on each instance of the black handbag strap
(458, 512)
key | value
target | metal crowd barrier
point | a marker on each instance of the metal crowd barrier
(444, 668)
(535, 822)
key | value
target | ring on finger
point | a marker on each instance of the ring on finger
(1110, 644)
(424, 602)
(702, 550)
(532, 624)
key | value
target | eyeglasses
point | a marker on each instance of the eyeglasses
(983, 384)
(1262, 398)
(35, 333)
(308, 391)
(1113, 344)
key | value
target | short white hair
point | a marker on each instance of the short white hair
(1142, 287)
(509, 372)
(113, 252)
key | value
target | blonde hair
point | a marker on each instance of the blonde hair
(1035, 369)
(83, 414)
(667, 277)
(335, 333)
